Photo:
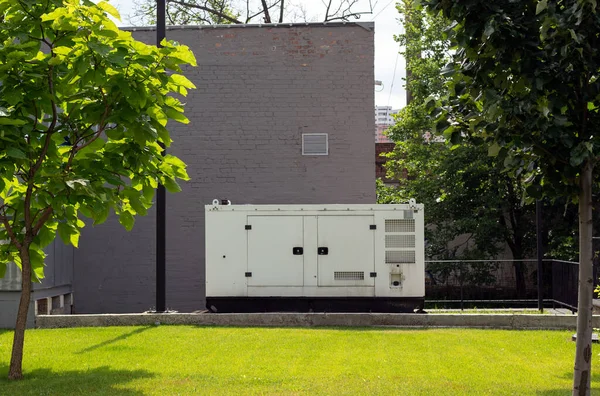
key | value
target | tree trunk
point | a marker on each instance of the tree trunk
(583, 349)
(16, 360)
(520, 281)
(521, 284)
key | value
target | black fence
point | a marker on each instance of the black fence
(501, 283)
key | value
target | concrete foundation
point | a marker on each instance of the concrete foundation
(514, 322)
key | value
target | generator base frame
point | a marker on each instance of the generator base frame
(314, 304)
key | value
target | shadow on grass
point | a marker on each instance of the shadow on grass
(100, 380)
(113, 340)
(566, 391)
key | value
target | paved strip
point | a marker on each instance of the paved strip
(274, 319)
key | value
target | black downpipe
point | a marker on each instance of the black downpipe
(161, 305)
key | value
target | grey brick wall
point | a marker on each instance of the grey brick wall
(259, 89)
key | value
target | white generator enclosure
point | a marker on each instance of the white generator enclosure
(345, 258)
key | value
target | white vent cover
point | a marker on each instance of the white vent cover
(315, 144)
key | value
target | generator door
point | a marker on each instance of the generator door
(346, 251)
(275, 251)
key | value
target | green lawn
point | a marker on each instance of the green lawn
(222, 361)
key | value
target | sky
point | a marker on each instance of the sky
(389, 67)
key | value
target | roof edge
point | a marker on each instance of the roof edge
(369, 26)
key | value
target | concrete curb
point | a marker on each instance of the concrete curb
(505, 321)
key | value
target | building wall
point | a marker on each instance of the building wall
(9, 305)
(258, 90)
(380, 160)
(57, 282)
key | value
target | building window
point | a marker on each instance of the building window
(315, 144)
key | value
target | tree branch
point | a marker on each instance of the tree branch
(10, 232)
(266, 11)
(281, 11)
(42, 220)
(101, 129)
(207, 9)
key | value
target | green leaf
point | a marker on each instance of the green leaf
(15, 152)
(494, 149)
(74, 238)
(157, 114)
(3, 266)
(137, 205)
(61, 50)
(183, 54)
(181, 80)
(54, 61)
(100, 214)
(64, 232)
(11, 121)
(163, 135)
(171, 185)
(112, 11)
(57, 13)
(534, 191)
(36, 259)
(177, 116)
(541, 6)
(46, 236)
(127, 220)
(91, 148)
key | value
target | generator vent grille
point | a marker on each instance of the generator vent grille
(399, 241)
(348, 275)
(399, 256)
(399, 225)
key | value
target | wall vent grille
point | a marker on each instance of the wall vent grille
(315, 144)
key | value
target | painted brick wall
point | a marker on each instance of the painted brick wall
(259, 89)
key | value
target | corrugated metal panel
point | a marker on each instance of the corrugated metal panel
(12, 279)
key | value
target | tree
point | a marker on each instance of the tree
(208, 12)
(83, 110)
(465, 191)
(536, 65)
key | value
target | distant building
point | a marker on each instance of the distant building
(383, 120)
(383, 145)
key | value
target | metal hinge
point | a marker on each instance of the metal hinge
(373, 274)
(248, 274)
(373, 227)
(248, 227)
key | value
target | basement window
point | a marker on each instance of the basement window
(315, 144)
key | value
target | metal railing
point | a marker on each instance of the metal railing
(500, 283)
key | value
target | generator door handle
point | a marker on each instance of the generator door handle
(297, 251)
(323, 251)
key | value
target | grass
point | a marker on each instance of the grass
(182, 360)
